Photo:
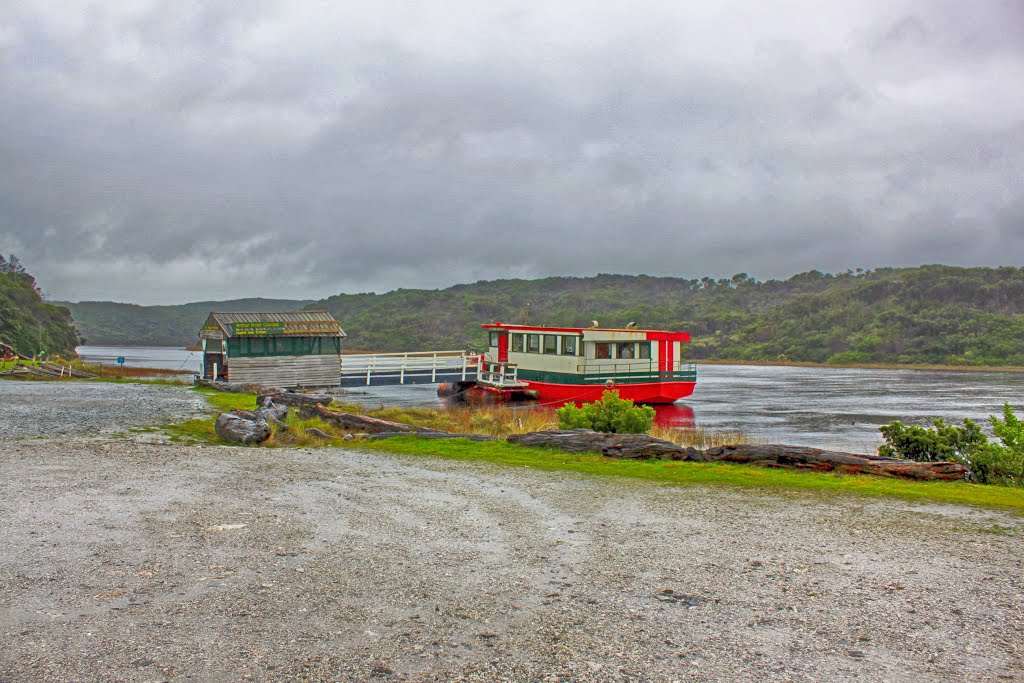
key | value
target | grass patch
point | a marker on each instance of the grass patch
(501, 421)
(707, 474)
(201, 430)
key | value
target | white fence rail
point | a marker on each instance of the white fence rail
(402, 368)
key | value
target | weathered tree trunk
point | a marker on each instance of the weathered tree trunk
(293, 399)
(434, 435)
(237, 388)
(798, 457)
(641, 446)
(616, 445)
(363, 423)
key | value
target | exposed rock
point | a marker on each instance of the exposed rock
(234, 428)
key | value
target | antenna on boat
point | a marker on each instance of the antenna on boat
(593, 324)
(526, 314)
(631, 325)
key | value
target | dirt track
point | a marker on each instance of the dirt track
(133, 562)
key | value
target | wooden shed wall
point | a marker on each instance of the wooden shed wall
(286, 371)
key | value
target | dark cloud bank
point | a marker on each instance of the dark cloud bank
(162, 152)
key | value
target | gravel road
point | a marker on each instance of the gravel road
(35, 409)
(146, 562)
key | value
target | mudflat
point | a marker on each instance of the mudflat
(127, 561)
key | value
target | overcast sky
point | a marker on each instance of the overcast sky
(162, 152)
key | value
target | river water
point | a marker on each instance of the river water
(838, 408)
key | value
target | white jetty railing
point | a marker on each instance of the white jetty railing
(418, 367)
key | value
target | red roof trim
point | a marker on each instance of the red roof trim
(654, 335)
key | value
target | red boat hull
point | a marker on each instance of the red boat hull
(646, 392)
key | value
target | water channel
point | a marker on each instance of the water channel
(839, 408)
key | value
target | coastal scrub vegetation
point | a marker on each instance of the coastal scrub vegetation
(27, 323)
(611, 414)
(939, 315)
(999, 462)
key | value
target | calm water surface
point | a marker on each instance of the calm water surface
(167, 357)
(823, 407)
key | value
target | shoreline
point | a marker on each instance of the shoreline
(863, 366)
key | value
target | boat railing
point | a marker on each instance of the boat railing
(637, 371)
(498, 374)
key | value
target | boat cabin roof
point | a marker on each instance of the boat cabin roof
(594, 333)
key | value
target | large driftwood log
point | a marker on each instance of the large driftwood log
(798, 457)
(294, 399)
(363, 423)
(238, 388)
(433, 435)
(641, 446)
(617, 445)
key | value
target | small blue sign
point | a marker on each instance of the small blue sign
(120, 360)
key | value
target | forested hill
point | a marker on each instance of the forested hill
(27, 323)
(106, 322)
(930, 314)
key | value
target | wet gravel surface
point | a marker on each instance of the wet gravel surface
(36, 409)
(146, 562)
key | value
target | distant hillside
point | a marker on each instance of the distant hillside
(28, 323)
(106, 322)
(930, 314)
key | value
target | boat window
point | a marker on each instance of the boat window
(602, 350)
(517, 343)
(550, 343)
(625, 350)
(533, 343)
(494, 339)
(283, 345)
(568, 345)
(644, 349)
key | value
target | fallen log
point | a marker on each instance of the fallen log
(613, 445)
(803, 458)
(642, 446)
(364, 423)
(433, 435)
(296, 400)
(237, 388)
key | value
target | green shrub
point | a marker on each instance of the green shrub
(990, 462)
(939, 443)
(610, 414)
(1002, 463)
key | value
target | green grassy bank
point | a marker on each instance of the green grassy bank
(662, 472)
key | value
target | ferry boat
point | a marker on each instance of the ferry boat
(578, 364)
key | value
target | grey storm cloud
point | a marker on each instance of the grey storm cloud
(159, 152)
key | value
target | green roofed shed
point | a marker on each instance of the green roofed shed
(287, 349)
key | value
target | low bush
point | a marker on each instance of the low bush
(610, 414)
(990, 462)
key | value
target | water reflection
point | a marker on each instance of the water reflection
(838, 408)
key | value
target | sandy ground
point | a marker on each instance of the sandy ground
(125, 561)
